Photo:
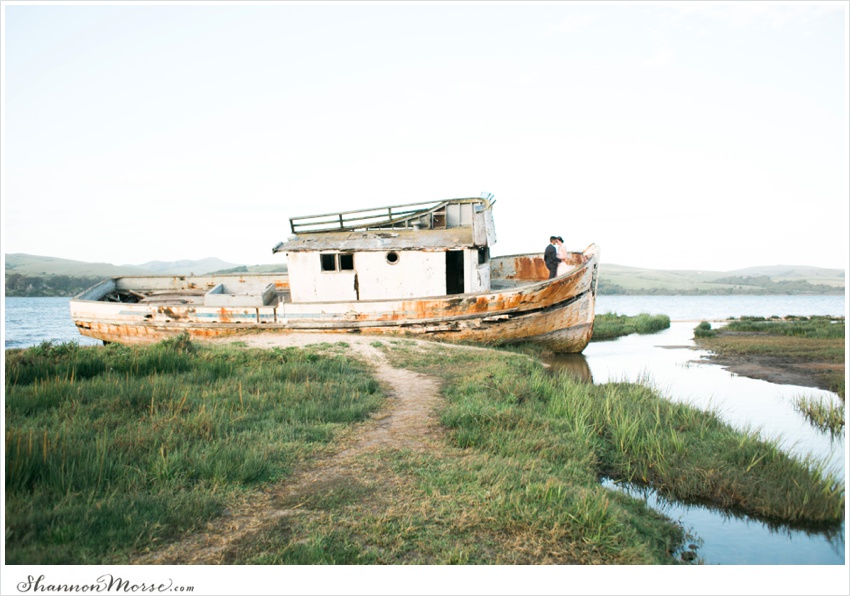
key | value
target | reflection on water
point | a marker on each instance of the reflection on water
(669, 362)
(729, 538)
(574, 365)
(718, 308)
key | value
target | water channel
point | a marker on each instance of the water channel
(670, 362)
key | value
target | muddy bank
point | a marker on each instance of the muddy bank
(775, 369)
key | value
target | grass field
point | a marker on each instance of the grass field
(113, 451)
(517, 479)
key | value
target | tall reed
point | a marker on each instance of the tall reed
(822, 414)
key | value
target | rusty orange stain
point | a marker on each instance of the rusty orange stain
(530, 269)
(172, 313)
(533, 313)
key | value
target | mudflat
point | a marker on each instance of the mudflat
(804, 361)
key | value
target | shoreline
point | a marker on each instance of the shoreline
(779, 370)
(804, 360)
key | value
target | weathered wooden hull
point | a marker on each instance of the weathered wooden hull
(558, 313)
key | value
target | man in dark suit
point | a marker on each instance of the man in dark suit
(550, 257)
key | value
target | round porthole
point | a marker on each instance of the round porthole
(392, 257)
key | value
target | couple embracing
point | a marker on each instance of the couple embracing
(555, 257)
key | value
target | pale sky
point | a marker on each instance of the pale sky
(674, 135)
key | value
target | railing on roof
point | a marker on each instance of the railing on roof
(431, 214)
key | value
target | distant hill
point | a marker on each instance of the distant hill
(833, 277)
(31, 275)
(185, 267)
(34, 265)
(282, 268)
(778, 279)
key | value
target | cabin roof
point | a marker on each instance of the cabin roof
(391, 217)
(377, 240)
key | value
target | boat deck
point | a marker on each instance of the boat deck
(175, 297)
(192, 297)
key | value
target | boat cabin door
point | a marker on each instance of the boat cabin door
(454, 272)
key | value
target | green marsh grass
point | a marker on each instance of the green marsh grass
(704, 330)
(790, 340)
(511, 484)
(510, 407)
(828, 417)
(123, 457)
(803, 349)
(115, 449)
(611, 325)
(818, 327)
(516, 479)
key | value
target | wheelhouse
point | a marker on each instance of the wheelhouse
(398, 252)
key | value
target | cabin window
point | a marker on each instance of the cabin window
(346, 262)
(392, 257)
(328, 262)
(337, 262)
(483, 255)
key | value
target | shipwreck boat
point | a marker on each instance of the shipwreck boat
(421, 269)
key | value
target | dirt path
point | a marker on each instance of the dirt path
(408, 422)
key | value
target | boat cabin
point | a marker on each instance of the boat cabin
(398, 252)
(421, 268)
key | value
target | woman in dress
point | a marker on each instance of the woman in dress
(563, 267)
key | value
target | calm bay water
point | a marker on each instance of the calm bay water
(717, 308)
(669, 361)
(30, 321)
